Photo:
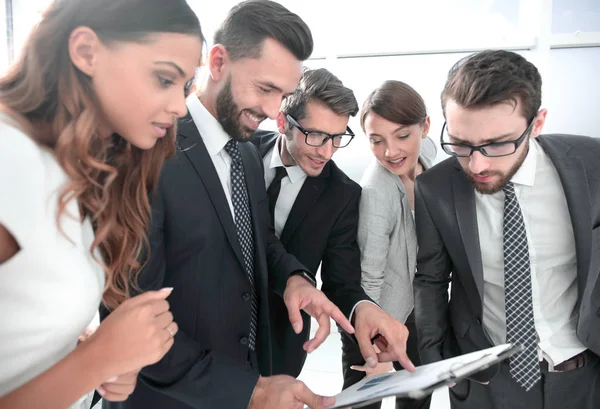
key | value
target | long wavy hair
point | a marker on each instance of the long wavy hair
(55, 104)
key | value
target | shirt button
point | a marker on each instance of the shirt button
(246, 297)
(244, 340)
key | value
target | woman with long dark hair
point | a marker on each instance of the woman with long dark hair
(87, 118)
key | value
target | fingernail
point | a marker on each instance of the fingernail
(114, 378)
(353, 367)
(328, 400)
(297, 327)
(169, 289)
(371, 362)
(101, 391)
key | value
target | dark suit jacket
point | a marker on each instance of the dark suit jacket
(449, 251)
(195, 250)
(321, 229)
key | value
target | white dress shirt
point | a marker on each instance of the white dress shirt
(215, 139)
(290, 186)
(551, 252)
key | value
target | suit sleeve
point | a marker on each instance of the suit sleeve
(374, 229)
(340, 266)
(189, 372)
(430, 283)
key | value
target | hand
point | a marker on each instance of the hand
(300, 294)
(118, 389)
(370, 321)
(137, 333)
(380, 368)
(285, 392)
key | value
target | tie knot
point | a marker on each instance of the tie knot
(231, 147)
(280, 172)
(509, 189)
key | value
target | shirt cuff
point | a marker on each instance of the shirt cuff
(306, 275)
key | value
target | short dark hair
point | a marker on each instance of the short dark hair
(492, 77)
(250, 22)
(397, 102)
(321, 86)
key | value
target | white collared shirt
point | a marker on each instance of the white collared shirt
(215, 139)
(290, 185)
(551, 252)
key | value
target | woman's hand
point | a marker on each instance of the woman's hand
(137, 333)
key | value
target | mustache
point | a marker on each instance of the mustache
(261, 116)
(484, 174)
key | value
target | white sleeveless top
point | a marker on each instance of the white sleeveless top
(51, 289)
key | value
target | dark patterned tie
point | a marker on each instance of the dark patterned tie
(274, 189)
(243, 225)
(520, 325)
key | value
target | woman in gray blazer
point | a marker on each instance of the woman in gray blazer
(394, 118)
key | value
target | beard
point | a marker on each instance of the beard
(228, 115)
(490, 189)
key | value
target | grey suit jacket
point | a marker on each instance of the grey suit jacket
(449, 251)
(387, 237)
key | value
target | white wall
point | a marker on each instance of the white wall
(3, 43)
(369, 41)
(425, 38)
(574, 91)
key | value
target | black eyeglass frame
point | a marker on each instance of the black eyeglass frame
(295, 123)
(481, 148)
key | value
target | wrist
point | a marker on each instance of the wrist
(92, 355)
(257, 394)
(304, 275)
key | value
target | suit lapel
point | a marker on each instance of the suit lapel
(308, 195)
(466, 214)
(192, 145)
(266, 144)
(574, 181)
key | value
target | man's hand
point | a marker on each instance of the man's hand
(301, 295)
(285, 392)
(380, 368)
(371, 321)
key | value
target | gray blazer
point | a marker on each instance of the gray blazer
(387, 237)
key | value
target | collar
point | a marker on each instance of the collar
(295, 173)
(526, 173)
(210, 129)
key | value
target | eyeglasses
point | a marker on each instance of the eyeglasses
(491, 150)
(317, 138)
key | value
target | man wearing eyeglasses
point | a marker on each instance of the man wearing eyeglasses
(512, 222)
(314, 207)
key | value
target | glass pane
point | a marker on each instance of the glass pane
(498, 150)
(572, 91)
(315, 138)
(342, 140)
(569, 16)
(457, 149)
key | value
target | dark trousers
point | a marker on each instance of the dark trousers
(576, 389)
(351, 356)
